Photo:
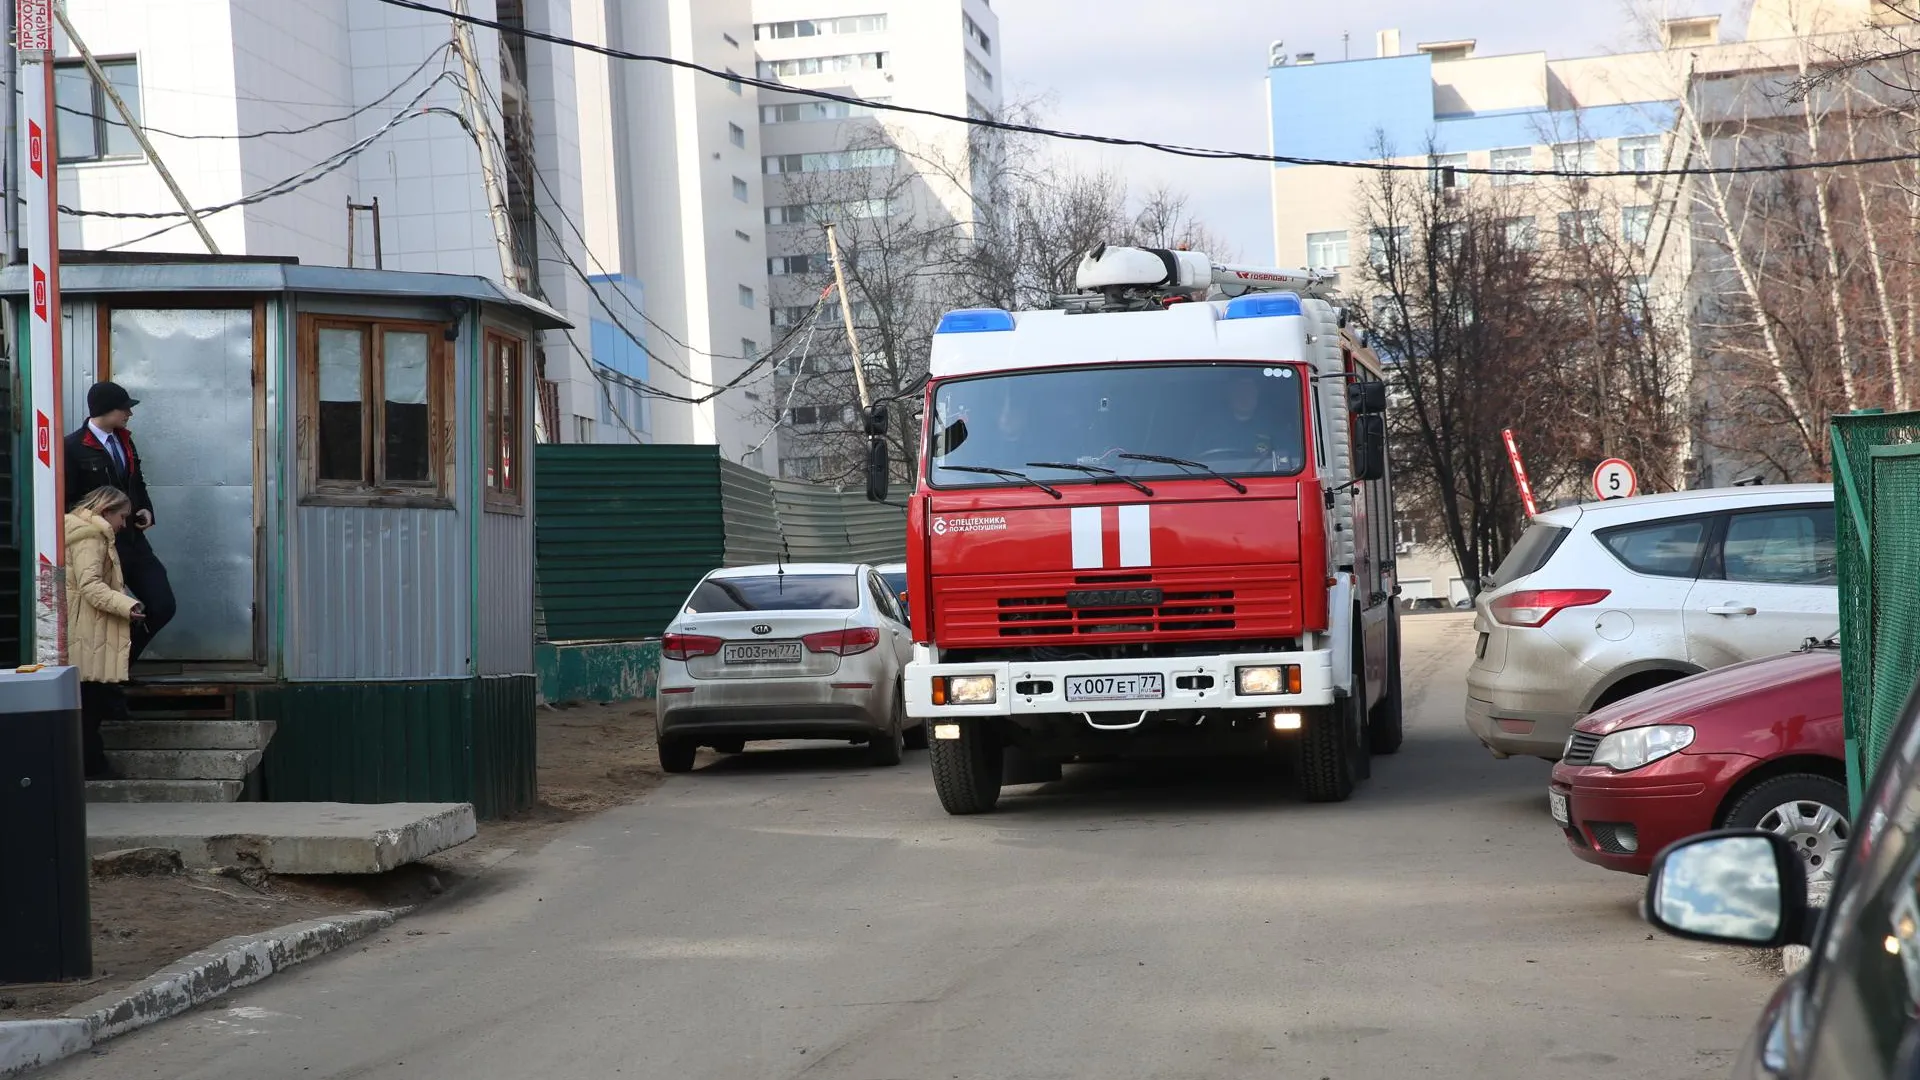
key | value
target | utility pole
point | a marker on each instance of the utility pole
(483, 135)
(846, 316)
(133, 126)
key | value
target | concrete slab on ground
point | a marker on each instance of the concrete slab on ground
(284, 838)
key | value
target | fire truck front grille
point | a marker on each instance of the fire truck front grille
(1010, 611)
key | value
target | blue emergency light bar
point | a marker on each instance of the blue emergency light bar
(975, 321)
(1263, 306)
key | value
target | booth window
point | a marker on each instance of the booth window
(374, 411)
(505, 394)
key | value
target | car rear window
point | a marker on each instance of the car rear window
(776, 592)
(1660, 548)
(1537, 544)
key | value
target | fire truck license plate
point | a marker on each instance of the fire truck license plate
(1116, 687)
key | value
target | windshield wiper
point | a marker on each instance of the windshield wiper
(1093, 470)
(1183, 463)
(1007, 473)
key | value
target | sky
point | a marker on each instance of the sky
(1195, 73)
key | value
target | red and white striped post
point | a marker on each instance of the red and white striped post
(40, 194)
(1520, 474)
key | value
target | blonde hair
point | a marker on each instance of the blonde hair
(104, 501)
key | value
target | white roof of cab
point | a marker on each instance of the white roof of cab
(1194, 331)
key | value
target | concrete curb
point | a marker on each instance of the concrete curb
(191, 981)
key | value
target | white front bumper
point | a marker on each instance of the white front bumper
(1316, 684)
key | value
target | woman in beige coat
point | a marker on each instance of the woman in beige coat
(100, 614)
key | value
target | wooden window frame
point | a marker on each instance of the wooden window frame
(492, 396)
(373, 489)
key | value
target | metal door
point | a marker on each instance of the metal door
(192, 371)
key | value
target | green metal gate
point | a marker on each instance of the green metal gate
(1876, 471)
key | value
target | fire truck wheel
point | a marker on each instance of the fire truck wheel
(1333, 747)
(1387, 727)
(676, 755)
(966, 770)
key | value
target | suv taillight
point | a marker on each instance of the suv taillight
(845, 642)
(1534, 607)
(688, 646)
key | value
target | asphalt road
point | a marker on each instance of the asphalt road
(796, 914)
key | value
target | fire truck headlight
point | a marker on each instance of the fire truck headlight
(1257, 681)
(970, 690)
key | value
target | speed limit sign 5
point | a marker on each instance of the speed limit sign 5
(1615, 479)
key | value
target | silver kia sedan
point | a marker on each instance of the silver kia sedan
(785, 651)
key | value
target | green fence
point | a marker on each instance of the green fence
(622, 533)
(1876, 468)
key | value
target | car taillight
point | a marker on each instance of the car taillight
(688, 646)
(845, 642)
(1533, 607)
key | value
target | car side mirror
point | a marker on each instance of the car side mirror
(1367, 398)
(877, 470)
(1370, 447)
(1735, 887)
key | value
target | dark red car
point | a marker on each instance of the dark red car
(1757, 745)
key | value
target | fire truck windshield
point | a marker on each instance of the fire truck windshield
(1237, 419)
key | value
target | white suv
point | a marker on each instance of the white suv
(1601, 601)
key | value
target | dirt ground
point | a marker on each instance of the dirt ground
(591, 758)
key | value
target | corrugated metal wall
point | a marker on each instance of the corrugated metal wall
(506, 594)
(624, 532)
(621, 535)
(377, 594)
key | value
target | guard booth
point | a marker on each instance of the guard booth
(341, 468)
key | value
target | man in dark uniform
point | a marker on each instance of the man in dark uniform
(101, 454)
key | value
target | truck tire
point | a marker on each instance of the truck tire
(1333, 746)
(966, 770)
(1386, 728)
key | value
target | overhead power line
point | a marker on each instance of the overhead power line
(1176, 149)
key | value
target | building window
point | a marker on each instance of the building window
(1327, 250)
(800, 112)
(730, 39)
(1640, 290)
(737, 135)
(1522, 233)
(1513, 159)
(741, 234)
(805, 28)
(504, 393)
(1387, 246)
(375, 394)
(975, 34)
(746, 296)
(583, 429)
(836, 161)
(740, 191)
(1639, 153)
(979, 71)
(1575, 157)
(87, 125)
(1450, 181)
(749, 348)
(733, 81)
(1636, 225)
(815, 213)
(1580, 227)
(823, 65)
(798, 264)
(978, 111)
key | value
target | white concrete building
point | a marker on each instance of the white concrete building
(942, 55)
(293, 111)
(673, 219)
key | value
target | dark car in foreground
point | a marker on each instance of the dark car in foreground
(1758, 745)
(1849, 1014)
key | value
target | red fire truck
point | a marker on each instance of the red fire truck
(1152, 521)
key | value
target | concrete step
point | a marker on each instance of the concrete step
(162, 791)
(286, 838)
(187, 734)
(184, 764)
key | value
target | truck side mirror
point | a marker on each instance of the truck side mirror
(1367, 398)
(877, 421)
(877, 470)
(1370, 447)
